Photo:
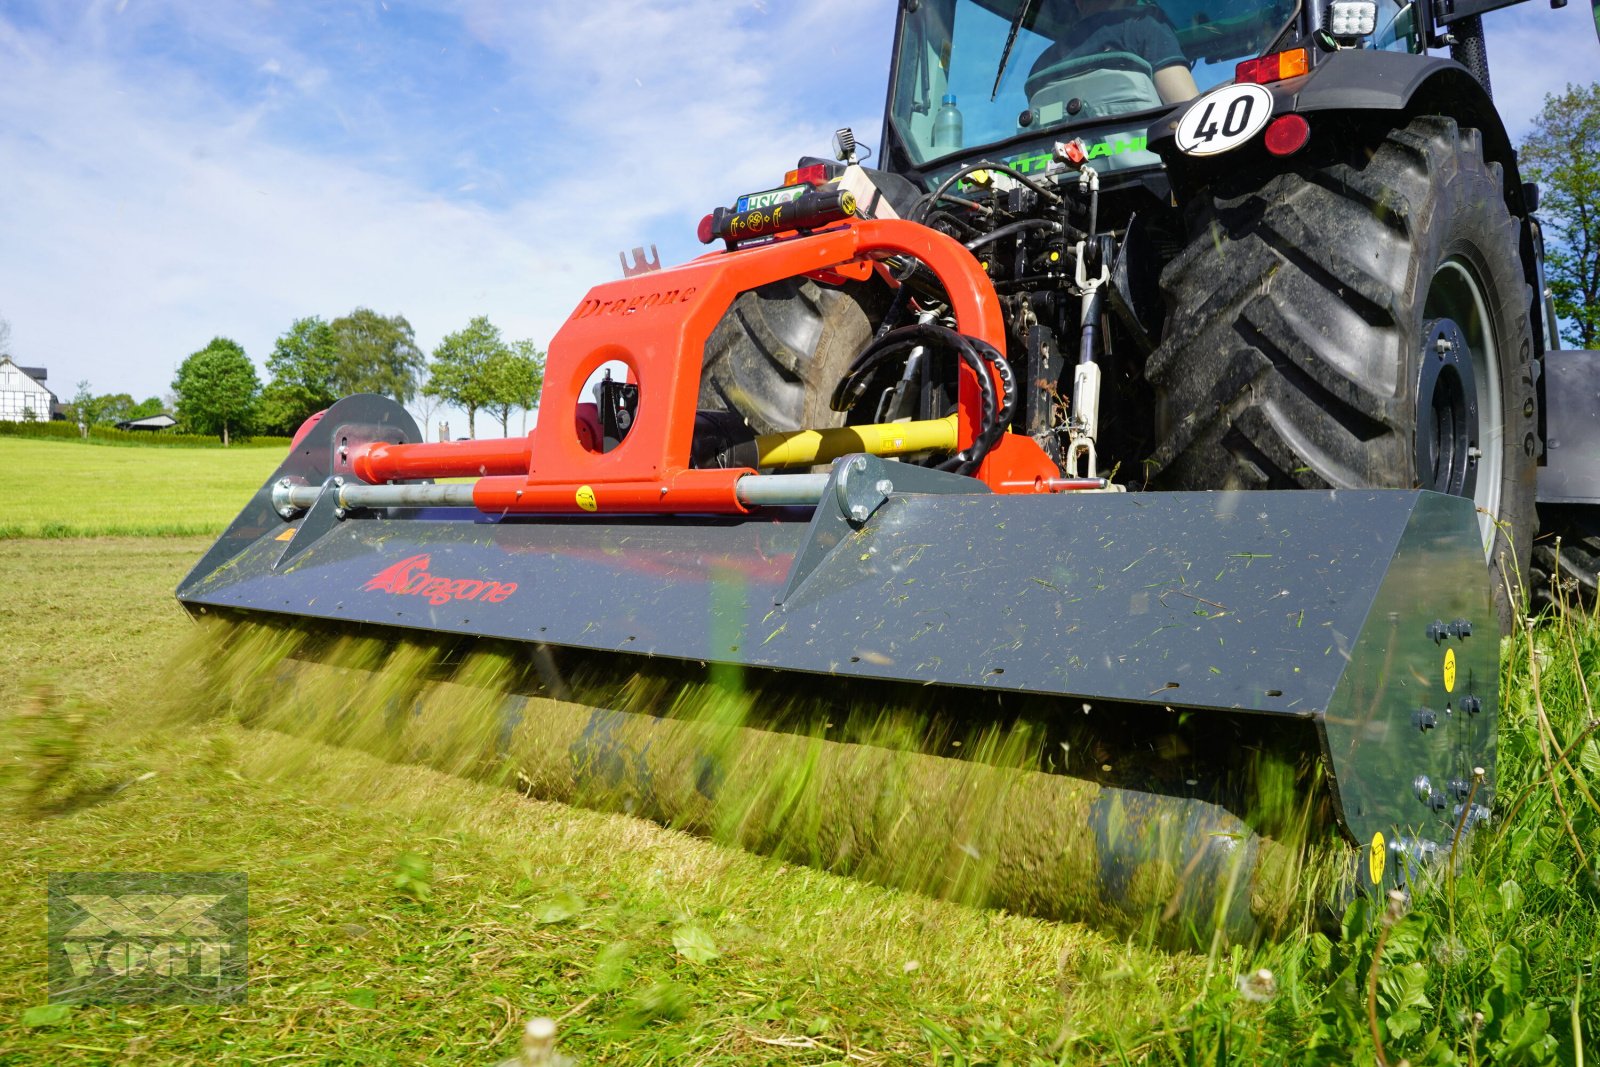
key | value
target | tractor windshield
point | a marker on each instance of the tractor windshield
(1061, 62)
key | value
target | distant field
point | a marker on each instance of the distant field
(70, 489)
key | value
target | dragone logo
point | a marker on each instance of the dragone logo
(410, 577)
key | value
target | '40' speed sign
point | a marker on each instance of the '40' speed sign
(1224, 119)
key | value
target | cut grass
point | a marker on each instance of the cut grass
(68, 489)
(398, 915)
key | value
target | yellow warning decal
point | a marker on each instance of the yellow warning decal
(287, 535)
(1449, 670)
(586, 499)
(1375, 859)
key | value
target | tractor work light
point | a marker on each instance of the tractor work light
(1273, 68)
(1352, 18)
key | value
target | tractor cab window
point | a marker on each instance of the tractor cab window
(1061, 62)
(1397, 27)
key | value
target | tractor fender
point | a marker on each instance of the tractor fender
(1359, 84)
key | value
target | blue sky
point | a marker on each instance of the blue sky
(174, 170)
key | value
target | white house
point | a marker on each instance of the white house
(21, 392)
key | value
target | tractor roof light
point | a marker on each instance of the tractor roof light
(1273, 68)
(1352, 18)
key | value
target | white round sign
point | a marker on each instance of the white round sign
(1224, 119)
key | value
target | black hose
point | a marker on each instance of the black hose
(1012, 228)
(995, 410)
(971, 168)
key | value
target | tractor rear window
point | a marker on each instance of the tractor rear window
(1071, 62)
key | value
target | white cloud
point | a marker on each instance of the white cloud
(145, 212)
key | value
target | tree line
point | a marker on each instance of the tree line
(315, 362)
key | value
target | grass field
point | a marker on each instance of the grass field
(72, 489)
(400, 916)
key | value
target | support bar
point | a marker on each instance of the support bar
(754, 490)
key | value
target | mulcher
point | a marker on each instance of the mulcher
(929, 528)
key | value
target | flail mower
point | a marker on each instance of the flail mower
(922, 530)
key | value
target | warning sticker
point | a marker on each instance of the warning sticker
(1375, 859)
(586, 499)
(1449, 670)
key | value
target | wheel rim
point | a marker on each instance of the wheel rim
(1456, 294)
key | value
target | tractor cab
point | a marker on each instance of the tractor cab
(1008, 78)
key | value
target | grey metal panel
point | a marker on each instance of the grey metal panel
(1188, 599)
(1377, 727)
(1571, 474)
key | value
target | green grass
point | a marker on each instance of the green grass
(70, 489)
(399, 915)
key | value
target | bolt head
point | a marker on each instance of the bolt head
(884, 486)
(859, 463)
(859, 512)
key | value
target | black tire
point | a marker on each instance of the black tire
(1566, 560)
(778, 352)
(1293, 345)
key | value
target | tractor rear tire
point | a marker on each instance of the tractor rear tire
(778, 352)
(1293, 351)
(1566, 561)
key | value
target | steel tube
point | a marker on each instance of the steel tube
(456, 495)
(756, 490)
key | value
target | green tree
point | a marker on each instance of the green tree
(513, 379)
(85, 408)
(113, 408)
(217, 389)
(304, 366)
(145, 408)
(1562, 154)
(376, 354)
(460, 371)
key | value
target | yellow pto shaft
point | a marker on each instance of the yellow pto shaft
(803, 448)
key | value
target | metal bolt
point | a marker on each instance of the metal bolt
(1459, 788)
(286, 512)
(1471, 704)
(884, 486)
(1461, 628)
(339, 513)
(1424, 720)
(859, 512)
(859, 463)
(1423, 786)
(1443, 345)
(1474, 453)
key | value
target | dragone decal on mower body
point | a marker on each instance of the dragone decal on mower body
(638, 302)
(410, 577)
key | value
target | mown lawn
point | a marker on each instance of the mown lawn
(62, 489)
(401, 916)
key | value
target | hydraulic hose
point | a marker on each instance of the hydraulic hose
(996, 408)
